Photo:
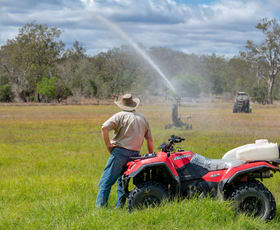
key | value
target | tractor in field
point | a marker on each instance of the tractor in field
(242, 103)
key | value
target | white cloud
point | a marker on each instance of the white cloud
(275, 3)
(222, 26)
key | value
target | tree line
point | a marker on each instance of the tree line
(35, 66)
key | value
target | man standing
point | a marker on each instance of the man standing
(130, 129)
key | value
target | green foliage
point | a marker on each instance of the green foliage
(217, 86)
(140, 85)
(118, 71)
(62, 92)
(53, 88)
(37, 52)
(76, 71)
(47, 87)
(93, 87)
(187, 86)
(215, 73)
(4, 79)
(240, 76)
(6, 94)
(265, 57)
(260, 93)
(30, 56)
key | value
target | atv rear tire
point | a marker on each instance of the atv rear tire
(148, 194)
(254, 199)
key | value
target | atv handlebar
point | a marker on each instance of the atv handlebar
(171, 141)
(176, 139)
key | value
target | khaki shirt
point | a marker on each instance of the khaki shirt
(130, 129)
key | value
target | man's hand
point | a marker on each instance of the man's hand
(110, 147)
(108, 144)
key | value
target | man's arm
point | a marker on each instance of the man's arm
(150, 145)
(105, 134)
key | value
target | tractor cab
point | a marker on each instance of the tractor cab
(242, 103)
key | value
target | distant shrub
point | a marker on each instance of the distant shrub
(46, 88)
(53, 89)
(6, 93)
(260, 94)
(93, 87)
(62, 92)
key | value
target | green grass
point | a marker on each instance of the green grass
(51, 159)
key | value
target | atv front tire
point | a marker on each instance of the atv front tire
(148, 194)
(254, 199)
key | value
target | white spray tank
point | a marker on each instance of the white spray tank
(261, 150)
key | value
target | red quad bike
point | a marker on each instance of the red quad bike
(180, 173)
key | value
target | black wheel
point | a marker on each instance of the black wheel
(149, 194)
(254, 199)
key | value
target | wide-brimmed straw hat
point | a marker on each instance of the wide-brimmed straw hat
(127, 103)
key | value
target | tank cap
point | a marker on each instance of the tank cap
(262, 141)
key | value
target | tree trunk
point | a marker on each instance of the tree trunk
(38, 97)
(22, 96)
(270, 84)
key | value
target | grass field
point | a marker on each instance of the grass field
(51, 159)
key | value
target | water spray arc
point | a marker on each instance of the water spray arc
(175, 118)
(135, 46)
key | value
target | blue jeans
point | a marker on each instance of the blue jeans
(113, 172)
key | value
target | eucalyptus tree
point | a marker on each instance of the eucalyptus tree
(265, 57)
(30, 56)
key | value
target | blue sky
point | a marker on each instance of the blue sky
(191, 26)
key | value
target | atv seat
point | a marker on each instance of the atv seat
(140, 157)
(215, 164)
